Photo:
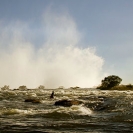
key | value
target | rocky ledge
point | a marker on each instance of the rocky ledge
(32, 100)
(67, 103)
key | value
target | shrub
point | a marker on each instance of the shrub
(41, 87)
(109, 82)
(23, 87)
(6, 87)
(123, 87)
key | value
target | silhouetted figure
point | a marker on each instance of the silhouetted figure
(52, 95)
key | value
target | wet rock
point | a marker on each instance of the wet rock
(33, 100)
(67, 103)
(103, 104)
(52, 95)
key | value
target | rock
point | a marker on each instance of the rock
(74, 87)
(67, 103)
(33, 100)
(52, 95)
(101, 103)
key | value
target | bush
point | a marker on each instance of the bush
(109, 82)
(123, 87)
(41, 87)
(22, 88)
(6, 87)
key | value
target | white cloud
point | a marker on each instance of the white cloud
(59, 62)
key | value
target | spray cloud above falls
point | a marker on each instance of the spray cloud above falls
(59, 61)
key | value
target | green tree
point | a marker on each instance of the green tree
(109, 82)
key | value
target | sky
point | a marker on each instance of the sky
(65, 42)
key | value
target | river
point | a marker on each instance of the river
(100, 111)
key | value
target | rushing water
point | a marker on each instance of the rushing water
(101, 111)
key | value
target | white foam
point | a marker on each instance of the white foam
(75, 109)
(14, 111)
(81, 110)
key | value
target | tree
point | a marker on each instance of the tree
(109, 82)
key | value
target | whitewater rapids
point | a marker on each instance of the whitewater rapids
(100, 112)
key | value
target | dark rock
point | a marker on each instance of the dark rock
(103, 104)
(52, 95)
(33, 100)
(67, 103)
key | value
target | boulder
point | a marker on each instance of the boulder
(33, 100)
(67, 103)
(52, 95)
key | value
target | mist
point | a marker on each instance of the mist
(59, 61)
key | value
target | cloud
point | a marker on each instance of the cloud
(59, 61)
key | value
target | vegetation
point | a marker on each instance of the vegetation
(123, 87)
(23, 87)
(6, 87)
(108, 82)
(41, 87)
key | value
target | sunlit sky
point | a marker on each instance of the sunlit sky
(103, 25)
